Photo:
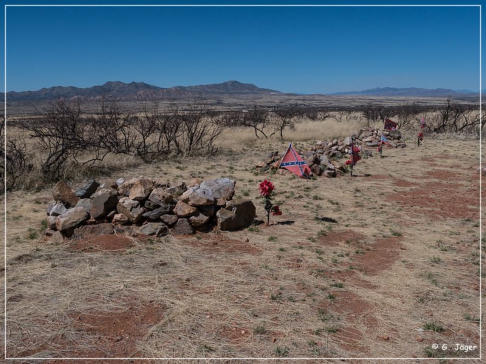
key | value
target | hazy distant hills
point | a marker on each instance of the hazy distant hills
(138, 91)
(409, 92)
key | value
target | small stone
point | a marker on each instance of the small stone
(169, 219)
(62, 192)
(153, 228)
(183, 209)
(198, 220)
(120, 181)
(120, 219)
(51, 222)
(155, 215)
(88, 189)
(57, 209)
(183, 227)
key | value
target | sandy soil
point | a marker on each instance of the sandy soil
(397, 271)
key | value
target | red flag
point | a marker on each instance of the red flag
(294, 163)
(390, 124)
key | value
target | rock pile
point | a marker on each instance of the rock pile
(324, 156)
(146, 206)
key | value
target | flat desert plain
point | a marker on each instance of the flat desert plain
(384, 264)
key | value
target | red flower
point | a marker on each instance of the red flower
(276, 210)
(266, 188)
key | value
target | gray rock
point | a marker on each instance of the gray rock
(209, 192)
(149, 205)
(88, 189)
(120, 181)
(131, 209)
(198, 220)
(160, 196)
(236, 215)
(330, 173)
(169, 219)
(177, 190)
(56, 209)
(103, 201)
(155, 215)
(153, 228)
(71, 219)
(183, 227)
(51, 222)
(85, 203)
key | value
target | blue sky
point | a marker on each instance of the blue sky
(304, 50)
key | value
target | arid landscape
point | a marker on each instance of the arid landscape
(383, 264)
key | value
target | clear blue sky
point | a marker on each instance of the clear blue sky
(305, 50)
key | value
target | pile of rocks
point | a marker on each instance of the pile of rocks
(324, 157)
(147, 206)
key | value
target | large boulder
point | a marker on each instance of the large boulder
(236, 215)
(103, 201)
(215, 191)
(131, 209)
(63, 193)
(71, 219)
(88, 189)
(153, 228)
(183, 209)
(183, 227)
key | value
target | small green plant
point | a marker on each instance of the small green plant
(43, 224)
(331, 296)
(282, 351)
(337, 285)
(32, 234)
(254, 229)
(435, 260)
(259, 330)
(272, 238)
(395, 233)
(432, 326)
(332, 329)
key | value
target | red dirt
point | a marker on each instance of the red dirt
(382, 256)
(214, 244)
(234, 334)
(117, 332)
(335, 237)
(105, 333)
(439, 199)
(110, 243)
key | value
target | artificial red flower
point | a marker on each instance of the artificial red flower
(276, 210)
(266, 188)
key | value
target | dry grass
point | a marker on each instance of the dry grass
(309, 288)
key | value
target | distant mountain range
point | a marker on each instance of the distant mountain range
(142, 91)
(410, 92)
(138, 91)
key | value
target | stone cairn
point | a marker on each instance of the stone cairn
(326, 157)
(147, 207)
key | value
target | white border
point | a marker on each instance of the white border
(241, 5)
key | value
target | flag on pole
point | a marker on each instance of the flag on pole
(294, 163)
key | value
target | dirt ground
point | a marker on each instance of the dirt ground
(396, 272)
